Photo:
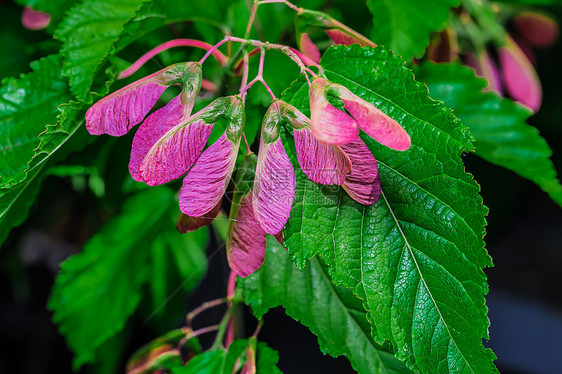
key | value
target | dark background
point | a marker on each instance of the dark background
(524, 239)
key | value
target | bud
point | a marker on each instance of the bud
(520, 78)
(34, 20)
(186, 223)
(538, 29)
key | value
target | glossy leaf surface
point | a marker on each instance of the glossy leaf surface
(416, 256)
(331, 312)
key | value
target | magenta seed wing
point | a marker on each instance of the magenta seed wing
(340, 37)
(363, 185)
(519, 76)
(173, 154)
(34, 20)
(274, 187)
(150, 131)
(324, 164)
(376, 124)
(247, 242)
(206, 182)
(117, 113)
(329, 124)
(309, 49)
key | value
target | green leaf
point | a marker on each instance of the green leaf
(218, 361)
(331, 312)
(98, 289)
(416, 256)
(404, 26)
(28, 104)
(498, 125)
(55, 143)
(207, 362)
(221, 361)
(88, 33)
(266, 360)
(15, 202)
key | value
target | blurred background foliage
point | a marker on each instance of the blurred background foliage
(83, 194)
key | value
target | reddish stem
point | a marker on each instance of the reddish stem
(252, 18)
(213, 50)
(222, 59)
(195, 333)
(290, 5)
(230, 290)
(258, 78)
(206, 305)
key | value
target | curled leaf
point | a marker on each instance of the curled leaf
(520, 78)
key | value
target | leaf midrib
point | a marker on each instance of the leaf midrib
(436, 199)
(30, 169)
(407, 245)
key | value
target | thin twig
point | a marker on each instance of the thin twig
(290, 5)
(201, 308)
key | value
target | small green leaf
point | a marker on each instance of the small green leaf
(28, 104)
(331, 312)
(498, 125)
(218, 361)
(416, 256)
(266, 360)
(230, 360)
(88, 33)
(98, 289)
(209, 362)
(404, 26)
